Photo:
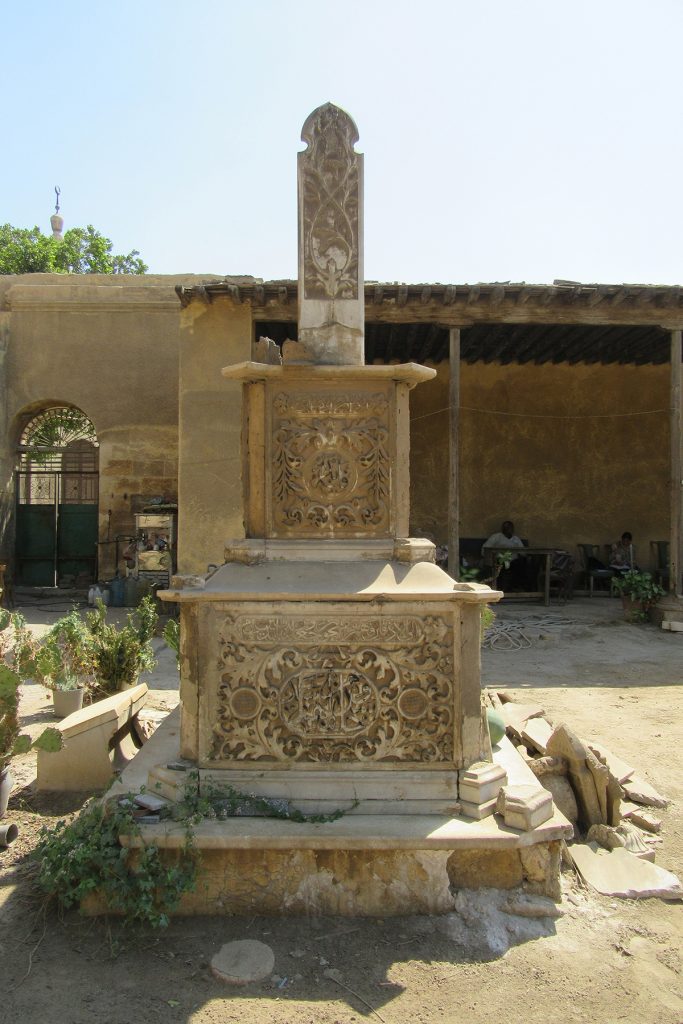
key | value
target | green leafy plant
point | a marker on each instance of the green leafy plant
(171, 635)
(206, 800)
(63, 659)
(468, 573)
(503, 559)
(488, 617)
(12, 740)
(85, 858)
(121, 653)
(639, 587)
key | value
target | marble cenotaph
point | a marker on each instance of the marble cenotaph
(329, 662)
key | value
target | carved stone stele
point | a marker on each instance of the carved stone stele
(330, 178)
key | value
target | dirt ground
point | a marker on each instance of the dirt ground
(603, 960)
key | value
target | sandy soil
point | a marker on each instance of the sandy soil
(603, 960)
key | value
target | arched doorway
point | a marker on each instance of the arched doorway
(56, 489)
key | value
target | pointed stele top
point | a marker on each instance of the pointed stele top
(330, 180)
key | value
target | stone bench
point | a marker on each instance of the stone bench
(99, 740)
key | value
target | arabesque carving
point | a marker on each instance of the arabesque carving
(313, 689)
(330, 195)
(330, 465)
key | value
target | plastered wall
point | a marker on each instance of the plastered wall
(210, 484)
(572, 454)
(108, 345)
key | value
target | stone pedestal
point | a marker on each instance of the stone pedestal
(334, 684)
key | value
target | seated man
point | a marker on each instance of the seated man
(623, 554)
(514, 576)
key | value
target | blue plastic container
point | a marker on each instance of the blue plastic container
(118, 592)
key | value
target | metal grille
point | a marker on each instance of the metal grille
(57, 459)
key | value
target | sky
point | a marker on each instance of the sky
(503, 141)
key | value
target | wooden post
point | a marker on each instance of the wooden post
(676, 543)
(454, 454)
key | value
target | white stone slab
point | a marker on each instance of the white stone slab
(640, 817)
(353, 832)
(619, 873)
(280, 580)
(536, 733)
(619, 769)
(641, 792)
(516, 715)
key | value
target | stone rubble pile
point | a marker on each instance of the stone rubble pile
(600, 794)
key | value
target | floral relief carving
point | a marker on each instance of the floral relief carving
(330, 465)
(313, 689)
(330, 198)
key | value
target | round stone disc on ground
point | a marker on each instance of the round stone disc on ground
(238, 963)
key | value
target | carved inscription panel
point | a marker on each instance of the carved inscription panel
(320, 688)
(329, 184)
(330, 466)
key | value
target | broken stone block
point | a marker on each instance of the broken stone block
(626, 835)
(150, 802)
(548, 766)
(615, 795)
(562, 794)
(527, 905)
(619, 873)
(481, 782)
(541, 867)
(478, 811)
(642, 792)
(536, 734)
(564, 743)
(516, 716)
(640, 817)
(600, 774)
(619, 769)
(524, 807)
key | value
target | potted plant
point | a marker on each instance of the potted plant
(13, 633)
(121, 653)
(63, 661)
(639, 592)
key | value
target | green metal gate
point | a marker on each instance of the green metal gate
(57, 491)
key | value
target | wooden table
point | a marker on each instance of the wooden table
(546, 553)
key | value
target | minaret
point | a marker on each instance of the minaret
(56, 220)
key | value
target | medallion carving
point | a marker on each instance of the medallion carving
(330, 197)
(330, 464)
(347, 688)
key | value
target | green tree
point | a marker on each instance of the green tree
(82, 251)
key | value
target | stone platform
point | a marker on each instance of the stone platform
(360, 864)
